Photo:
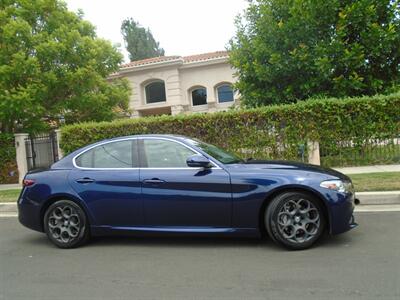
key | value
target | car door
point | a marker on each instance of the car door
(106, 177)
(177, 195)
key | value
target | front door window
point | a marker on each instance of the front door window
(165, 154)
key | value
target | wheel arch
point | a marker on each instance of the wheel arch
(291, 188)
(59, 197)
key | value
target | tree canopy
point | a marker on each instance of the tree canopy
(53, 66)
(139, 41)
(290, 50)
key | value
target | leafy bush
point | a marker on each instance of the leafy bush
(274, 132)
(284, 51)
(53, 64)
(8, 165)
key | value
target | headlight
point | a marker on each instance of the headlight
(338, 185)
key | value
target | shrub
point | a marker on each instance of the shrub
(8, 165)
(274, 132)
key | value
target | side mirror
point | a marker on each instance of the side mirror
(198, 161)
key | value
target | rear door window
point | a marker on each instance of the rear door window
(120, 154)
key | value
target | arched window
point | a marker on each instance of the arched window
(155, 92)
(225, 93)
(199, 96)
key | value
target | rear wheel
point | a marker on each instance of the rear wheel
(295, 220)
(65, 224)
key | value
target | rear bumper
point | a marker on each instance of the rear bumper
(29, 215)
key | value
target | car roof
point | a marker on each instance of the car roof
(170, 136)
(67, 160)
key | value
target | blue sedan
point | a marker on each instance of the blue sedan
(148, 184)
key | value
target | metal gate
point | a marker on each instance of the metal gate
(41, 150)
(373, 151)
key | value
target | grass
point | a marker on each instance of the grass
(386, 181)
(9, 195)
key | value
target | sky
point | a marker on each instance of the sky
(183, 27)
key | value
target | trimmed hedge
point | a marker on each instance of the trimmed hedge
(8, 165)
(275, 132)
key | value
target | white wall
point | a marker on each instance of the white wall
(139, 79)
(179, 79)
(208, 76)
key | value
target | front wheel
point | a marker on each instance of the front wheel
(66, 225)
(295, 220)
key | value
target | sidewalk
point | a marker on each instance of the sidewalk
(369, 169)
(10, 186)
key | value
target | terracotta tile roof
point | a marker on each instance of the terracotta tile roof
(205, 56)
(186, 59)
(149, 61)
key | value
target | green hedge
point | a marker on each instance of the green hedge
(8, 165)
(275, 132)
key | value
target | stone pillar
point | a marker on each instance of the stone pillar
(313, 153)
(59, 151)
(177, 109)
(135, 114)
(20, 148)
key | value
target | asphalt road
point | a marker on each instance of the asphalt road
(361, 264)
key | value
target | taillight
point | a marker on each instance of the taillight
(28, 182)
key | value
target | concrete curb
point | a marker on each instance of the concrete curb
(366, 198)
(8, 207)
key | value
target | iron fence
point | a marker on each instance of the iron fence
(360, 152)
(41, 150)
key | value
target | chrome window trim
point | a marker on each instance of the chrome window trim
(215, 165)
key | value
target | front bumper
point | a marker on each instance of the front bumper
(352, 222)
(341, 212)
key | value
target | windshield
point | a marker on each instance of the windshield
(219, 154)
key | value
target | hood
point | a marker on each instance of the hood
(289, 165)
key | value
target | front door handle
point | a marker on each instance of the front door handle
(85, 180)
(153, 181)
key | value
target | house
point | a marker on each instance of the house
(180, 84)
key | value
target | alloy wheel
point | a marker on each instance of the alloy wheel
(64, 223)
(298, 220)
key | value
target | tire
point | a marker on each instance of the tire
(295, 220)
(66, 224)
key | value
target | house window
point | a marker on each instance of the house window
(155, 92)
(199, 96)
(225, 93)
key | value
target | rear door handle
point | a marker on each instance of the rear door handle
(85, 180)
(153, 181)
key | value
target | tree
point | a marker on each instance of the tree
(290, 50)
(139, 41)
(52, 67)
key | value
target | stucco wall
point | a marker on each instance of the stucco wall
(179, 80)
(139, 79)
(208, 76)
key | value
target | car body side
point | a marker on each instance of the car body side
(252, 186)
